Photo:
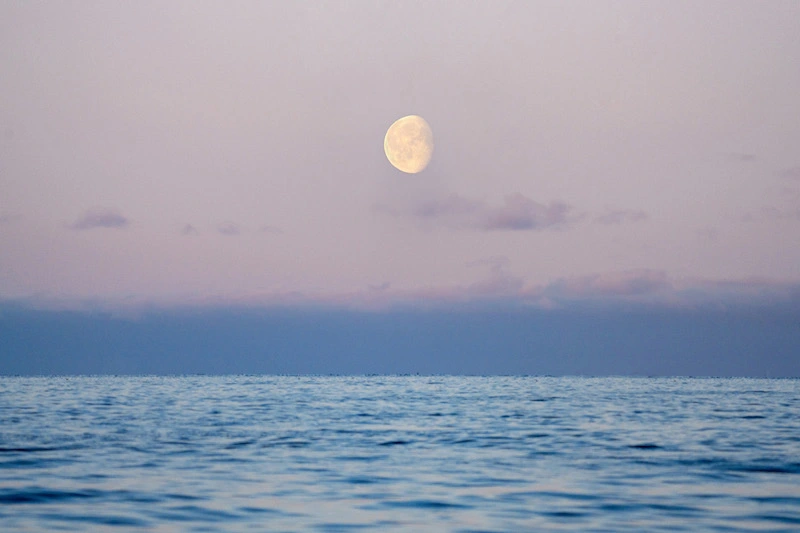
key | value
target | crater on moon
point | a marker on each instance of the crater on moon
(409, 144)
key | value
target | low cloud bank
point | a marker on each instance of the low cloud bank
(480, 340)
(612, 284)
(500, 287)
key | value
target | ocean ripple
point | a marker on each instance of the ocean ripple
(399, 453)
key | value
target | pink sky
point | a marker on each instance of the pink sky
(192, 151)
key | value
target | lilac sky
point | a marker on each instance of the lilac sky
(190, 152)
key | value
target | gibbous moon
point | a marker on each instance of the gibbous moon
(409, 144)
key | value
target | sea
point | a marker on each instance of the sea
(399, 453)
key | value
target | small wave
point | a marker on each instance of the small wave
(36, 449)
(565, 514)
(778, 500)
(425, 504)
(645, 446)
(361, 458)
(362, 480)
(780, 518)
(101, 520)
(281, 443)
(398, 442)
(769, 469)
(41, 495)
(335, 526)
(194, 513)
(240, 444)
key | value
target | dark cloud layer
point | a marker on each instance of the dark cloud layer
(100, 217)
(482, 341)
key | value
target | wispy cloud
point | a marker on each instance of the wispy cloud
(271, 229)
(632, 289)
(787, 212)
(611, 284)
(8, 218)
(516, 213)
(792, 173)
(787, 206)
(521, 213)
(499, 282)
(229, 228)
(189, 230)
(742, 157)
(385, 286)
(100, 217)
(621, 216)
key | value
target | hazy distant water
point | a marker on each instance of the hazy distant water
(252, 453)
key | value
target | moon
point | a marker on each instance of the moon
(409, 144)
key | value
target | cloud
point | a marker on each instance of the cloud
(521, 213)
(641, 289)
(655, 288)
(100, 217)
(516, 213)
(788, 207)
(734, 292)
(620, 216)
(792, 173)
(611, 284)
(229, 229)
(271, 229)
(499, 282)
(189, 230)
(791, 212)
(8, 219)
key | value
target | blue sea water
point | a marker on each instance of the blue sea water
(398, 453)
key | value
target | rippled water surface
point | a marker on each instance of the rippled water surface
(253, 453)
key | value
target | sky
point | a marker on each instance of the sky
(193, 156)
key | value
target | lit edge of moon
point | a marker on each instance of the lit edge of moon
(409, 144)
